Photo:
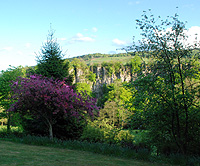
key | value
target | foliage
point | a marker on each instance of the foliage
(31, 70)
(13, 129)
(64, 128)
(91, 76)
(135, 64)
(49, 99)
(79, 64)
(82, 88)
(118, 66)
(101, 131)
(112, 67)
(169, 89)
(6, 78)
(3, 119)
(14, 132)
(110, 113)
(116, 104)
(99, 55)
(100, 60)
(50, 62)
(109, 66)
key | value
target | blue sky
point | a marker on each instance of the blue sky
(81, 26)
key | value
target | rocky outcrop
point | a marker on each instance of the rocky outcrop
(103, 77)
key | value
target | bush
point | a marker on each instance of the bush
(14, 131)
(91, 76)
(105, 133)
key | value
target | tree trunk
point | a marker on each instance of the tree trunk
(9, 123)
(50, 131)
(185, 144)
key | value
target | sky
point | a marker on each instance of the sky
(81, 26)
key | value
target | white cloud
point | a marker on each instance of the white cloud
(94, 29)
(112, 52)
(62, 39)
(118, 42)
(19, 53)
(137, 2)
(79, 35)
(133, 2)
(81, 38)
(7, 49)
(130, 3)
(94, 36)
(192, 35)
(189, 6)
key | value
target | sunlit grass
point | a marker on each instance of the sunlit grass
(124, 60)
(17, 146)
(21, 154)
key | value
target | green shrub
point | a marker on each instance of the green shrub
(102, 132)
(82, 88)
(91, 76)
(109, 66)
(14, 131)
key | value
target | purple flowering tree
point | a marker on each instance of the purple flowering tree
(48, 99)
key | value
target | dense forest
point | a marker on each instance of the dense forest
(146, 99)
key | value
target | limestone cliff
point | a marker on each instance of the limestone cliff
(103, 77)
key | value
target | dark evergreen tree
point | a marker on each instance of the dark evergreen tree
(50, 62)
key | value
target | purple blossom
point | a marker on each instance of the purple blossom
(50, 98)
(33, 76)
(15, 83)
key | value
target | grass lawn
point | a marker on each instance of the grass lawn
(22, 155)
(108, 59)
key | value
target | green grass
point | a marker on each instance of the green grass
(21, 154)
(124, 60)
(16, 146)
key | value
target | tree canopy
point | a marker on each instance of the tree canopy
(50, 61)
(49, 99)
(168, 90)
(6, 78)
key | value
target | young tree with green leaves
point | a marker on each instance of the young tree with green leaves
(6, 79)
(50, 62)
(83, 88)
(169, 89)
(116, 108)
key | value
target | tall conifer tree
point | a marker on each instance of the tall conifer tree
(50, 61)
